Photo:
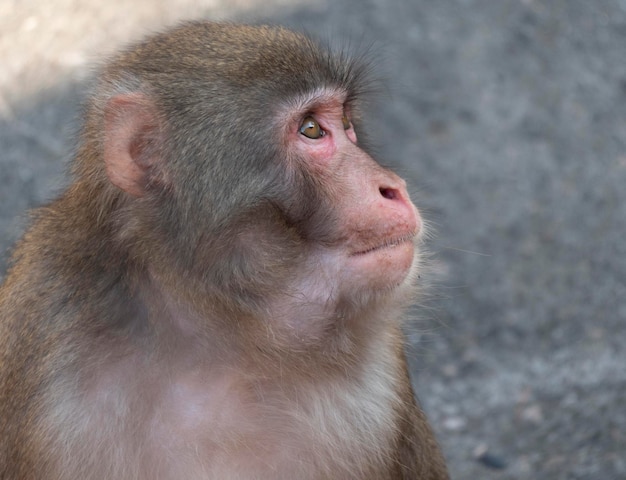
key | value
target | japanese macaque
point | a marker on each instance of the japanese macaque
(218, 293)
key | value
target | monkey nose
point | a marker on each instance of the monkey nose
(394, 191)
(396, 201)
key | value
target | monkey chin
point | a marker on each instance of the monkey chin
(385, 267)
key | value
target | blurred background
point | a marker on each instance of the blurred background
(508, 120)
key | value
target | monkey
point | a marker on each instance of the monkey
(219, 292)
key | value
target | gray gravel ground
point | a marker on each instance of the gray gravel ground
(508, 118)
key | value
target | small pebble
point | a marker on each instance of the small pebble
(454, 424)
(488, 459)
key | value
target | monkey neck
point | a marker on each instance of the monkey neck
(283, 332)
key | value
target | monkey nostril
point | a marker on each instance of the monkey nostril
(388, 193)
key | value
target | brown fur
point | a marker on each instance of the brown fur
(182, 310)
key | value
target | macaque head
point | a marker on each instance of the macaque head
(240, 175)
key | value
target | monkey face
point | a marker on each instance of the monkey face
(369, 224)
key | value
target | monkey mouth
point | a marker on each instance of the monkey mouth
(387, 245)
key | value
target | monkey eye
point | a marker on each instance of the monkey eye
(311, 129)
(346, 122)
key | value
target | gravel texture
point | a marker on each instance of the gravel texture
(508, 118)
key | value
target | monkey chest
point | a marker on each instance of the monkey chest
(227, 431)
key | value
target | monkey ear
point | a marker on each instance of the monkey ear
(130, 138)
